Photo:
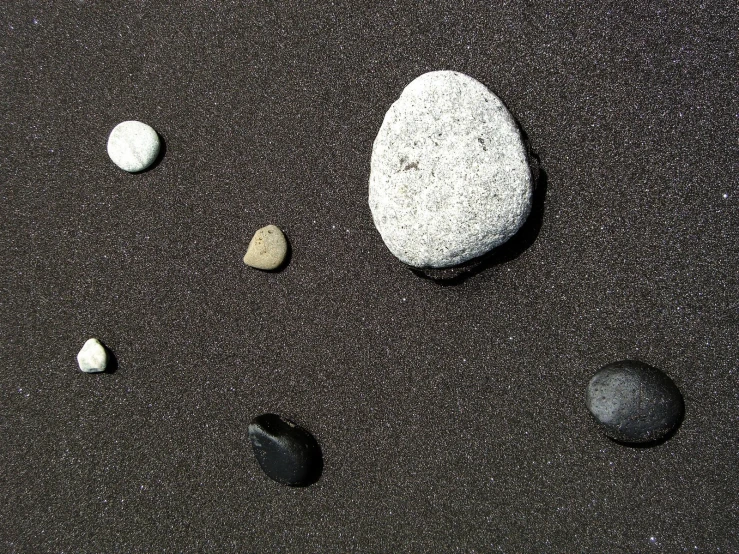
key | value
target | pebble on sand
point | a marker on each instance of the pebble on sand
(267, 249)
(634, 402)
(93, 358)
(449, 176)
(286, 452)
(133, 146)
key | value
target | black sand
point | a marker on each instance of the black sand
(452, 418)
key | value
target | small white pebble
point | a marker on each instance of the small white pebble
(133, 146)
(93, 358)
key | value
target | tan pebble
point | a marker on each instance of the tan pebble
(267, 249)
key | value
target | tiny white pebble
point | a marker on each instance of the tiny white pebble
(93, 357)
(133, 146)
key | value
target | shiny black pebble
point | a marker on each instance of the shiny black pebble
(634, 402)
(286, 453)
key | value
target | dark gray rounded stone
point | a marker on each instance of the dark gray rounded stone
(286, 452)
(634, 402)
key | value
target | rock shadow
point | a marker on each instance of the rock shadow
(651, 444)
(112, 366)
(513, 247)
(158, 159)
(315, 471)
(288, 256)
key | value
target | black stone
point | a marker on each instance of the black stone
(286, 452)
(634, 402)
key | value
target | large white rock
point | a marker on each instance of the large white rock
(449, 177)
(93, 358)
(133, 146)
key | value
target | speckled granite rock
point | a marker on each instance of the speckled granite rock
(449, 177)
(634, 402)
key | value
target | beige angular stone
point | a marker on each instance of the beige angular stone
(267, 249)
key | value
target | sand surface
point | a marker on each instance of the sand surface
(452, 416)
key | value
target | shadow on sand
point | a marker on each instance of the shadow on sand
(509, 250)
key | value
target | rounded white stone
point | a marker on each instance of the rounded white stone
(449, 177)
(133, 146)
(93, 358)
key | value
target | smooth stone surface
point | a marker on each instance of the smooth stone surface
(267, 249)
(286, 452)
(133, 146)
(93, 358)
(634, 402)
(449, 177)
